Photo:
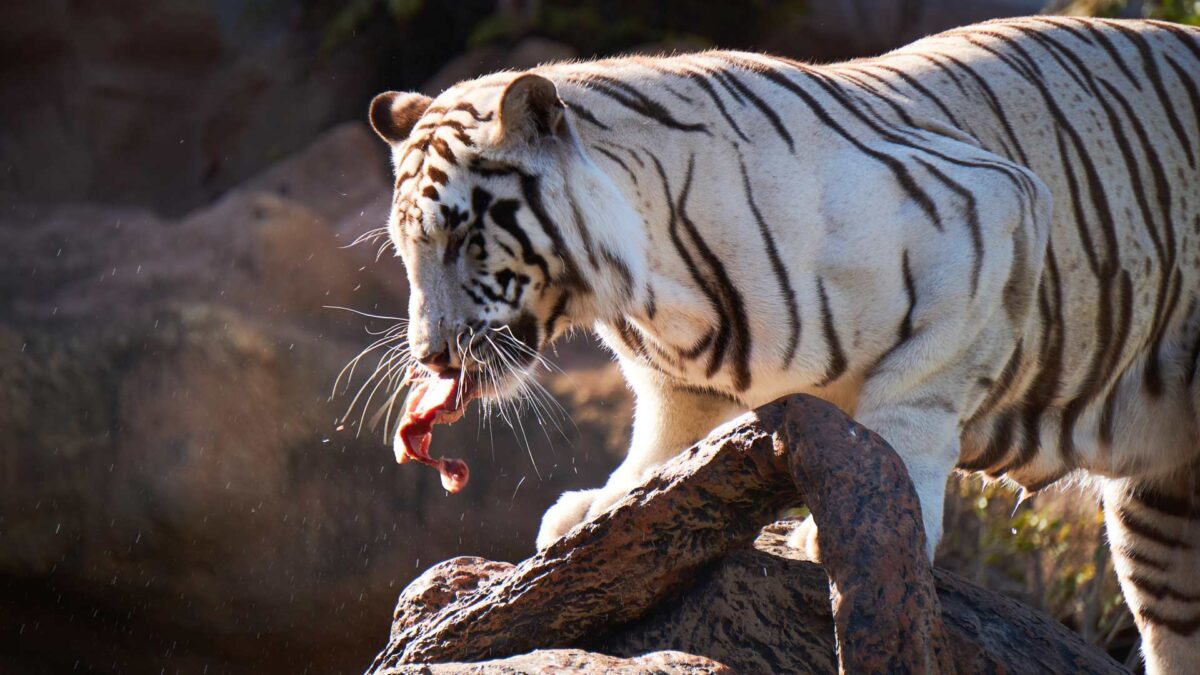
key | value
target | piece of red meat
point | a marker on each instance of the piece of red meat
(433, 399)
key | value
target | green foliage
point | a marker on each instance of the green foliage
(1180, 11)
(1048, 550)
(345, 23)
(591, 26)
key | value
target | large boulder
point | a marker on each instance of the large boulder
(177, 486)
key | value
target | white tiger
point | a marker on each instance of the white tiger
(985, 245)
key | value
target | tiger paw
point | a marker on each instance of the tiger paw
(570, 510)
(804, 539)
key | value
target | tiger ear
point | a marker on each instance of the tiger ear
(530, 109)
(393, 114)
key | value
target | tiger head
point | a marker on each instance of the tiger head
(492, 211)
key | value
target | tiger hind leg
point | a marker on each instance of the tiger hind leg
(1154, 531)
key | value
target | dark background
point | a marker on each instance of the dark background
(179, 181)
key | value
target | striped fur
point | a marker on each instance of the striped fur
(986, 245)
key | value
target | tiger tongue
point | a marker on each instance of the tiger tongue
(432, 400)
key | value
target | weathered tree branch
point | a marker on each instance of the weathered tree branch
(592, 587)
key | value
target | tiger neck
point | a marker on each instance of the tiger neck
(660, 302)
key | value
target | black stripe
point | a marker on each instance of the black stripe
(914, 191)
(531, 190)
(558, 311)
(474, 298)
(1080, 218)
(725, 299)
(1000, 441)
(973, 225)
(638, 102)
(620, 162)
(699, 348)
(910, 288)
(1106, 272)
(704, 84)
(1189, 38)
(1039, 485)
(1180, 507)
(1042, 391)
(684, 255)
(945, 71)
(696, 390)
(1046, 42)
(993, 104)
(618, 265)
(738, 327)
(586, 115)
(1008, 377)
(1098, 374)
(912, 82)
(1019, 179)
(1125, 323)
(1164, 100)
(735, 88)
(1165, 249)
(1184, 627)
(632, 339)
(1188, 84)
(721, 77)
(837, 359)
(585, 236)
(1112, 52)
(896, 107)
(781, 275)
(905, 330)
(1147, 531)
(1056, 23)
(1194, 359)
(632, 153)
(1133, 555)
(504, 214)
(1161, 590)
(679, 94)
(896, 166)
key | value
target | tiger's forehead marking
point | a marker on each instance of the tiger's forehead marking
(440, 141)
(436, 134)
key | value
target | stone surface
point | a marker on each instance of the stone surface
(573, 661)
(174, 488)
(525, 54)
(662, 569)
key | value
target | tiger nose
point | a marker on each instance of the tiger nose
(435, 360)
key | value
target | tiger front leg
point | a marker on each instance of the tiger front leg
(668, 418)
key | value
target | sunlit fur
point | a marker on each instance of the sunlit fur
(986, 246)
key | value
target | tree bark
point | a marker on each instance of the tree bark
(666, 568)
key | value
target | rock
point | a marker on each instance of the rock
(298, 258)
(573, 661)
(163, 103)
(174, 471)
(831, 31)
(663, 569)
(528, 53)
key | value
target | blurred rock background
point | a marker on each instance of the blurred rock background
(180, 182)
